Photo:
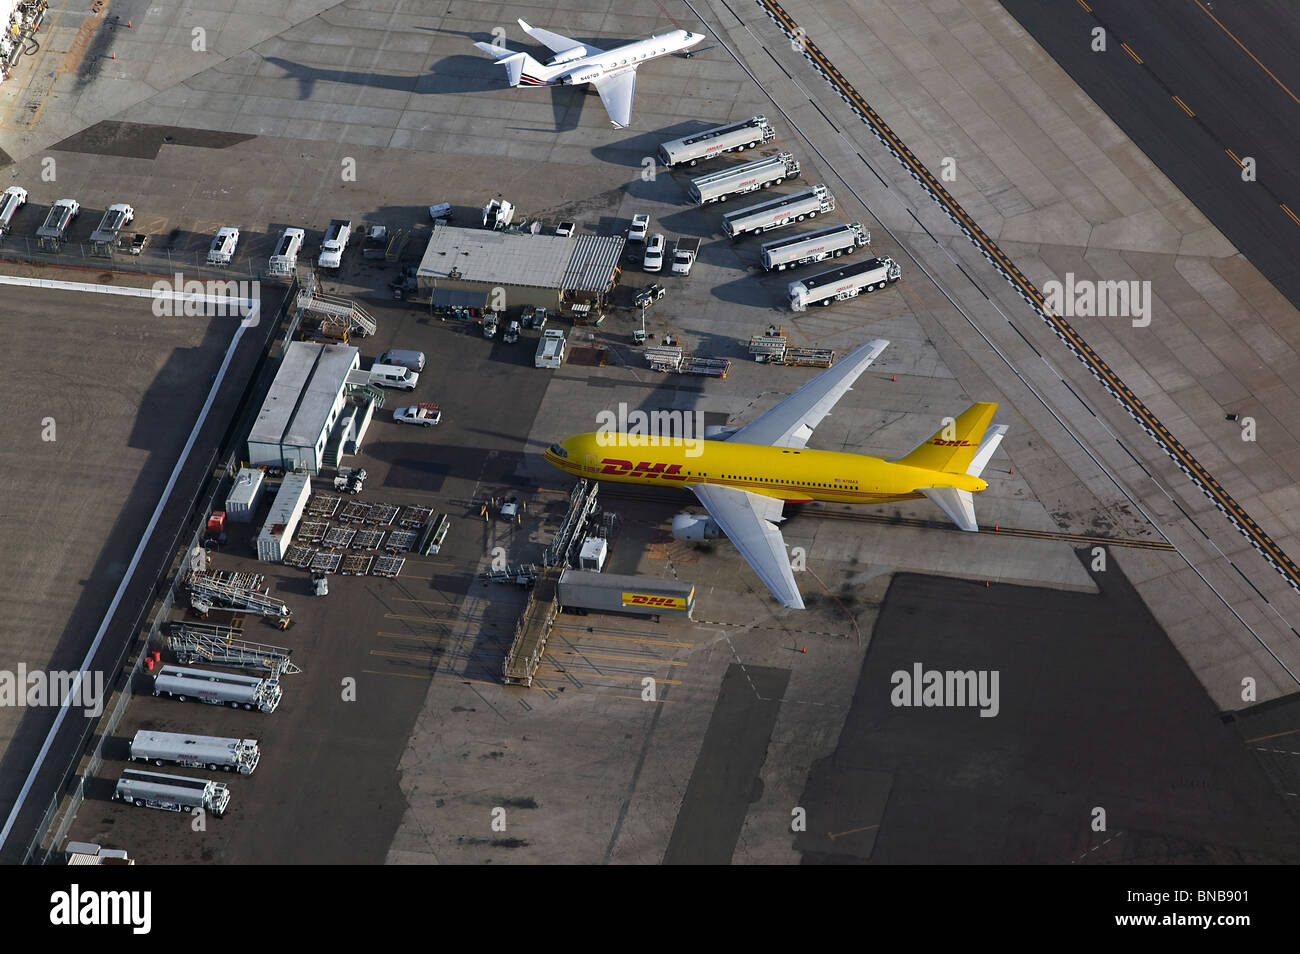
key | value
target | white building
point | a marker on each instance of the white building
(306, 400)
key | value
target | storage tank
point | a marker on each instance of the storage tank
(245, 496)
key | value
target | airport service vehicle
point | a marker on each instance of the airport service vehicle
(746, 177)
(640, 226)
(612, 72)
(830, 242)
(441, 212)
(285, 257)
(138, 241)
(425, 415)
(744, 476)
(223, 246)
(583, 591)
(491, 322)
(684, 255)
(394, 376)
(349, 484)
(550, 349)
(838, 284)
(511, 334)
(335, 241)
(497, 214)
(647, 296)
(654, 253)
(196, 751)
(54, 232)
(11, 200)
(565, 229)
(733, 137)
(174, 793)
(375, 245)
(116, 217)
(402, 358)
(778, 211)
(217, 688)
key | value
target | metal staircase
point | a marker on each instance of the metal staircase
(221, 645)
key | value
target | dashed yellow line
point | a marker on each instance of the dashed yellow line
(1185, 108)
(1084, 5)
(1129, 50)
(1290, 214)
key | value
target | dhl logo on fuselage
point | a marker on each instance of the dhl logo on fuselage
(940, 442)
(643, 599)
(612, 467)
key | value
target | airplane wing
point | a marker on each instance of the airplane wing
(616, 94)
(557, 42)
(747, 520)
(792, 421)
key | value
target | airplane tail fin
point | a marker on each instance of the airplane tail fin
(521, 69)
(954, 447)
(953, 451)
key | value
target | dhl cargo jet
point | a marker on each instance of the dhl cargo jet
(745, 477)
(612, 72)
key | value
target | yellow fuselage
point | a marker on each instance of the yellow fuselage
(794, 475)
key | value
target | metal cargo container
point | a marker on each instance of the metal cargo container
(607, 593)
(172, 792)
(282, 521)
(245, 495)
(240, 755)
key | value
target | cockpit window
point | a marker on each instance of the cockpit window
(559, 451)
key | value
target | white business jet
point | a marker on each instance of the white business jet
(612, 72)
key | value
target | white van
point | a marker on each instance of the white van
(394, 376)
(403, 359)
(222, 249)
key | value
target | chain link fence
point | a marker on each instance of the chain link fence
(153, 259)
(162, 598)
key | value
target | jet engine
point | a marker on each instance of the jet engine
(716, 432)
(688, 526)
(568, 56)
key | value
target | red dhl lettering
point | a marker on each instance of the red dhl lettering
(643, 599)
(942, 443)
(645, 468)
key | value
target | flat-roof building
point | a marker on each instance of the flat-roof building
(466, 266)
(305, 401)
